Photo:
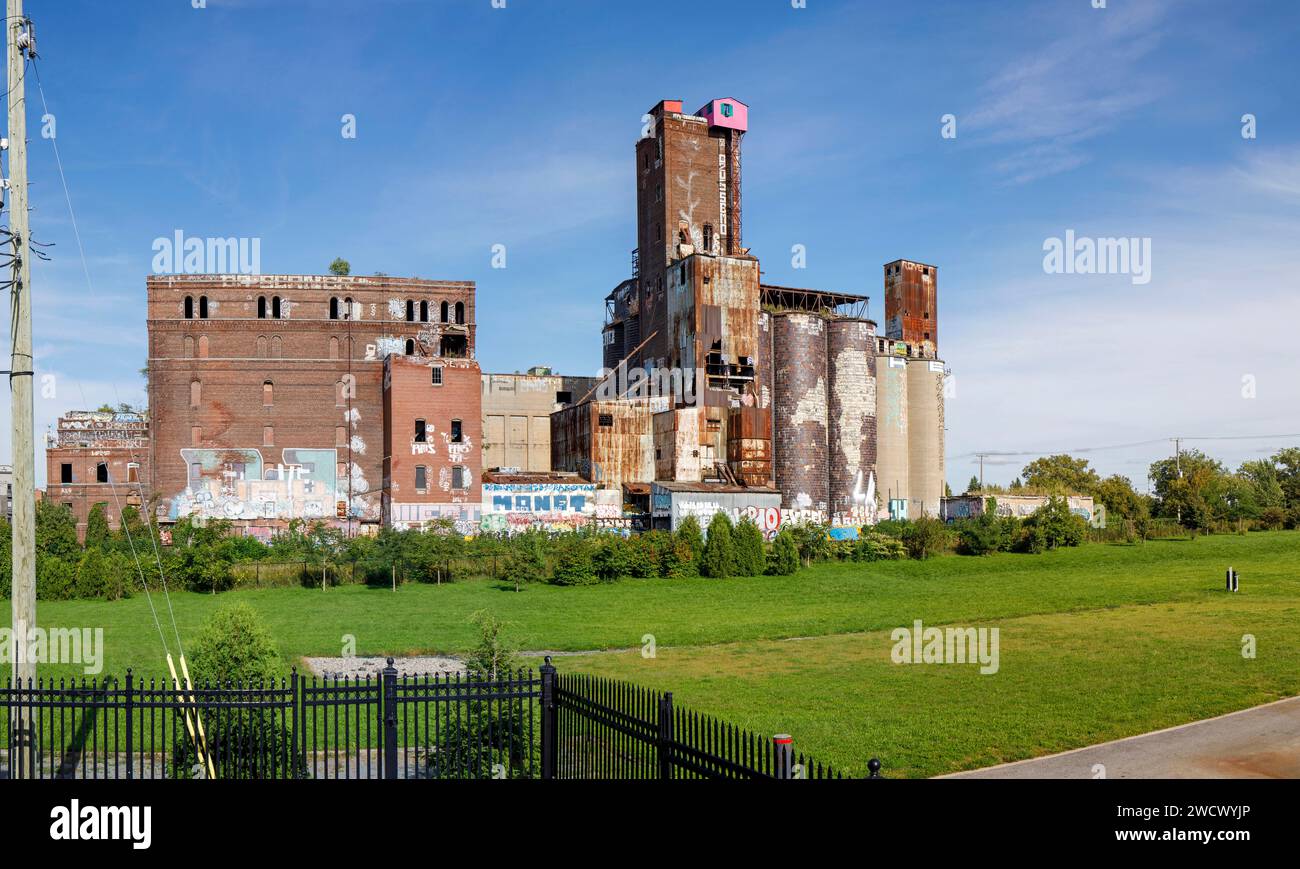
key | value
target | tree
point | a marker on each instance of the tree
(573, 561)
(1061, 475)
(1121, 501)
(340, 267)
(751, 559)
(719, 558)
(973, 485)
(493, 657)
(611, 558)
(526, 561)
(784, 558)
(1053, 525)
(234, 645)
(97, 534)
(925, 538)
(1187, 487)
(689, 532)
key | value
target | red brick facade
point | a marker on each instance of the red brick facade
(433, 441)
(266, 391)
(98, 457)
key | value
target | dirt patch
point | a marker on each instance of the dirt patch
(366, 668)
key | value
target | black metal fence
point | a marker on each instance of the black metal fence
(519, 725)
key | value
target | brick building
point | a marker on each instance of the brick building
(433, 441)
(266, 391)
(98, 457)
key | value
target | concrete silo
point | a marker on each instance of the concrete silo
(925, 436)
(800, 410)
(892, 453)
(851, 411)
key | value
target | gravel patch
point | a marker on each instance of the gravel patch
(362, 668)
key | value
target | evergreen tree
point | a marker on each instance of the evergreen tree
(973, 485)
(751, 560)
(719, 558)
(688, 532)
(97, 534)
(784, 558)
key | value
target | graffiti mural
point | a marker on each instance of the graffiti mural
(514, 507)
(237, 484)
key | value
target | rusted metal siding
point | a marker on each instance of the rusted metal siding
(912, 305)
(607, 442)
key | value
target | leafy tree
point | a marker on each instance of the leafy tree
(1061, 474)
(784, 557)
(751, 558)
(1265, 483)
(610, 559)
(1054, 525)
(234, 645)
(644, 553)
(103, 574)
(340, 267)
(690, 533)
(1287, 462)
(98, 536)
(56, 532)
(813, 540)
(1121, 501)
(526, 561)
(1188, 488)
(56, 578)
(573, 561)
(719, 558)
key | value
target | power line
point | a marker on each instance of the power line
(1012, 453)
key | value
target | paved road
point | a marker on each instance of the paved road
(1263, 742)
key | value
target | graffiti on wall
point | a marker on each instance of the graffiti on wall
(237, 484)
(511, 508)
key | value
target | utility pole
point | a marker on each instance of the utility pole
(981, 457)
(19, 42)
(1178, 464)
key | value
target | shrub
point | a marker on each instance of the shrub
(925, 538)
(56, 579)
(104, 575)
(980, 535)
(677, 559)
(1053, 525)
(874, 546)
(234, 645)
(610, 558)
(751, 559)
(493, 657)
(719, 558)
(813, 540)
(688, 532)
(1272, 518)
(644, 552)
(573, 561)
(97, 534)
(526, 561)
(783, 560)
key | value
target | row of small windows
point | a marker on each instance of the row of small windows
(101, 473)
(460, 478)
(274, 308)
(203, 307)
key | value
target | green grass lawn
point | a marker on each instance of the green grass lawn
(1096, 643)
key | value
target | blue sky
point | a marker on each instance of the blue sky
(479, 126)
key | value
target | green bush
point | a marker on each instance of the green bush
(1053, 525)
(644, 552)
(234, 645)
(677, 559)
(874, 546)
(751, 558)
(925, 538)
(573, 561)
(813, 540)
(783, 560)
(526, 560)
(106, 575)
(689, 532)
(719, 558)
(56, 579)
(610, 558)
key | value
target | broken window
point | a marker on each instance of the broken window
(445, 311)
(275, 307)
(708, 238)
(460, 478)
(457, 436)
(65, 472)
(421, 432)
(334, 308)
(424, 311)
(454, 346)
(564, 398)
(410, 310)
(421, 478)
(410, 346)
(460, 313)
(101, 472)
(606, 420)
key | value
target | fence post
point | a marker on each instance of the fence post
(295, 699)
(783, 744)
(664, 745)
(130, 729)
(874, 766)
(390, 720)
(550, 720)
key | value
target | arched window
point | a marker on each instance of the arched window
(261, 307)
(189, 346)
(275, 307)
(189, 307)
(203, 307)
(203, 346)
(708, 238)
(334, 348)
(334, 308)
(424, 311)
(340, 396)
(275, 346)
(347, 308)
(268, 393)
(445, 309)
(196, 393)
(460, 313)
(410, 310)
(261, 346)
(410, 346)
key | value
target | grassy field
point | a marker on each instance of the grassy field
(1096, 643)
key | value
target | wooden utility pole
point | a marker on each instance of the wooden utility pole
(20, 383)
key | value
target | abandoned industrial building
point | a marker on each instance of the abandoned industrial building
(360, 402)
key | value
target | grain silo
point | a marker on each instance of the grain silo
(891, 430)
(851, 411)
(925, 436)
(800, 409)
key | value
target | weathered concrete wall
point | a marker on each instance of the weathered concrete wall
(892, 475)
(517, 412)
(925, 436)
(851, 369)
(800, 422)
